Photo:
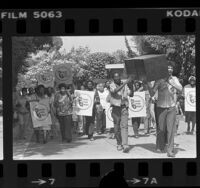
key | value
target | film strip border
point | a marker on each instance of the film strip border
(176, 172)
(100, 22)
(92, 174)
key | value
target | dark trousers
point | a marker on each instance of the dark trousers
(101, 121)
(166, 128)
(89, 126)
(136, 124)
(120, 118)
(66, 127)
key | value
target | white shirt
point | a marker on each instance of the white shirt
(103, 96)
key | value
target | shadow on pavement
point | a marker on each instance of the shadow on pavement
(52, 147)
(152, 147)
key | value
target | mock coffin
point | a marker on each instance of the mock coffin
(153, 67)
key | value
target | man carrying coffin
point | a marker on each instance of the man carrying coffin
(166, 110)
(119, 93)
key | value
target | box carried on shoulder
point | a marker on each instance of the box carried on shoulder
(153, 67)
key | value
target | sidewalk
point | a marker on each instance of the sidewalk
(104, 148)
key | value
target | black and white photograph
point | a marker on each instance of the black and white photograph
(103, 97)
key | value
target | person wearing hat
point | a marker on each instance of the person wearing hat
(190, 116)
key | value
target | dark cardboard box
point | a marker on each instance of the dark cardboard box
(153, 67)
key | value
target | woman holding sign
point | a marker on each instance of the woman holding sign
(42, 112)
(191, 116)
(136, 120)
(63, 104)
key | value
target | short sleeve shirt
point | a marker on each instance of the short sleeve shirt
(121, 97)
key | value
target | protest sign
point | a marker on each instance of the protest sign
(63, 73)
(190, 99)
(137, 106)
(84, 102)
(40, 113)
(46, 79)
(109, 119)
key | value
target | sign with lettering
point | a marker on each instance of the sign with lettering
(40, 113)
(46, 79)
(137, 106)
(84, 102)
(190, 99)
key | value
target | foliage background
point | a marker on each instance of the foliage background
(32, 55)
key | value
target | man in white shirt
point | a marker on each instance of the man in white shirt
(102, 94)
(119, 92)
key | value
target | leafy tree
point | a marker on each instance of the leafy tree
(130, 52)
(78, 58)
(96, 64)
(178, 48)
(119, 56)
(23, 46)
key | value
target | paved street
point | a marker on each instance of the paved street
(1, 137)
(104, 148)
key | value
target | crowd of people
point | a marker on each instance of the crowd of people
(164, 103)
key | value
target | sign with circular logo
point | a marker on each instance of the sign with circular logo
(46, 77)
(137, 103)
(40, 112)
(109, 113)
(191, 98)
(63, 73)
(84, 101)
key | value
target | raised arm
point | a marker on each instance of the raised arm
(175, 83)
(152, 90)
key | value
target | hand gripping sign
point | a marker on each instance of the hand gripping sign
(46, 79)
(137, 106)
(40, 113)
(190, 99)
(84, 102)
(63, 73)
